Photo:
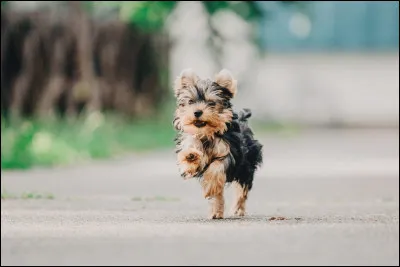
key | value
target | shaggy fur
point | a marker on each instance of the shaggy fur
(214, 143)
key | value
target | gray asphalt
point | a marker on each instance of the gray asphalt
(338, 192)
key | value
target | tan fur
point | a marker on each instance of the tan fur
(225, 79)
(240, 202)
(185, 88)
(189, 160)
(191, 145)
(214, 177)
(218, 207)
(216, 123)
(213, 184)
(187, 78)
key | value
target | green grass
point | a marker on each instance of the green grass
(26, 195)
(31, 143)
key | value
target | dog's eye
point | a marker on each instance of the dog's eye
(211, 103)
(226, 104)
(190, 102)
(181, 105)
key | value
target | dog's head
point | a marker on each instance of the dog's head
(203, 105)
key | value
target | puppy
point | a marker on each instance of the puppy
(214, 143)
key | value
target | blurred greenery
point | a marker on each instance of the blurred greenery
(26, 195)
(29, 143)
(151, 15)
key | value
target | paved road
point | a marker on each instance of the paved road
(338, 190)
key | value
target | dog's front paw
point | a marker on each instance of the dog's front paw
(189, 163)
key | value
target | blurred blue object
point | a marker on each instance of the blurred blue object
(369, 26)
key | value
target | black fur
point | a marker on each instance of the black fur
(245, 151)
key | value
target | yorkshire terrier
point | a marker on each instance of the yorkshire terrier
(214, 143)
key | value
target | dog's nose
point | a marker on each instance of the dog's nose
(198, 113)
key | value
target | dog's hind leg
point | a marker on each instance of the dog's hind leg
(242, 192)
(243, 185)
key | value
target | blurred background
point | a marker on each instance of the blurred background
(88, 165)
(93, 79)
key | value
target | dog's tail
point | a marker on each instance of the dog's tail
(244, 114)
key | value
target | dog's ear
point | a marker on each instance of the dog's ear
(225, 79)
(187, 78)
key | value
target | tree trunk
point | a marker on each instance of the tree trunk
(87, 89)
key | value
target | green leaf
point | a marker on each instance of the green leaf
(148, 15)
(248, 10)
(214, 6)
